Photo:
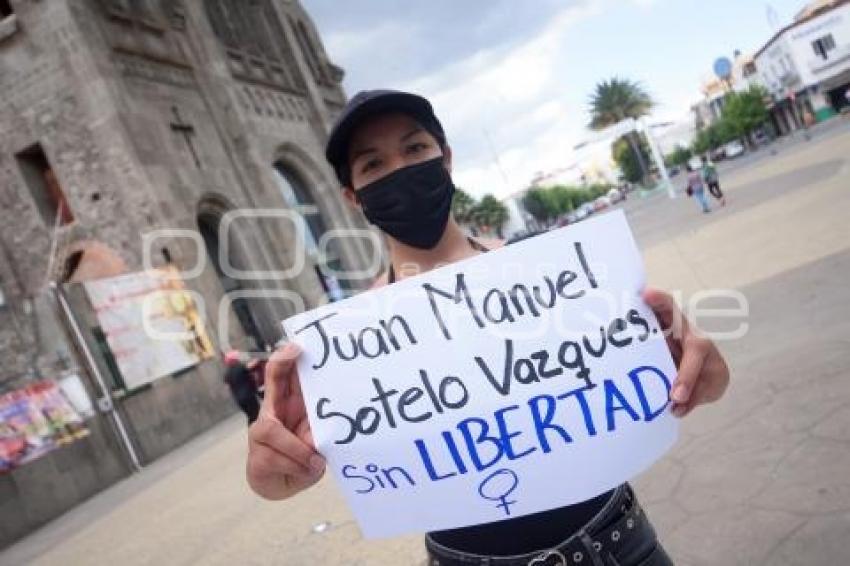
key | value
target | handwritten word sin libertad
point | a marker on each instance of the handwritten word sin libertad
(477, 444)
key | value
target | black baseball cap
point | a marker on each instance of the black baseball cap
(367, 103)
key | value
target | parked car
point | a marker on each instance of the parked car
(733, 149)
(615, 196)
(581, 213)
(520, 236)
(718, 154)
(601, 203)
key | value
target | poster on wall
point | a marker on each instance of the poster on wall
(35, 420)
(151, 323)
(74, 390)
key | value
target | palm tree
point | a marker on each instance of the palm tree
(615, 100)
(538, 204)
(490, 214)
(462, 206)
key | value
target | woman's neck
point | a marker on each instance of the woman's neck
(408, 260)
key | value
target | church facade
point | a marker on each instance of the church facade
(139, 133)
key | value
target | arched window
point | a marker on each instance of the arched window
(208, 226)
(255, 43)
(298, 197)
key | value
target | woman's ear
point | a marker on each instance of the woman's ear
(447, 157)
(350, 197)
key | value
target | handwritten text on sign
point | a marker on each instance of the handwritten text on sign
(520, 380)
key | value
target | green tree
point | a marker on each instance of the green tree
(678, 156)
(539, 205)
(581, 196)
(490, 214)
(727, 130)
(561, 199)
(462, 206)
(599, 189)
(615, 100)
(547, 203)
(631, 157)
(707, 139)
(745, 111)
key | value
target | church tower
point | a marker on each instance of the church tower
(138, 134)
(127, 117)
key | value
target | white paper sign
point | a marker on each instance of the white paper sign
(524, 379)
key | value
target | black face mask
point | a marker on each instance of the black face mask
(411, 204)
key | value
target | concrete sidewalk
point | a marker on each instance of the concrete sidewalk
(763, 477)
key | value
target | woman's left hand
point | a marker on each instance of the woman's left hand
(703, 374)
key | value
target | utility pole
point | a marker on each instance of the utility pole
(659, 159)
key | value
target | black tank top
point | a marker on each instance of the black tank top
(522, 534)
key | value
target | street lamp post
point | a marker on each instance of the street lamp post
(659, 159)
(627, 127)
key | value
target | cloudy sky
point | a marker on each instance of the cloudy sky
(510, 79)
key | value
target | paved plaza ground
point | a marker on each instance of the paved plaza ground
(763, 477)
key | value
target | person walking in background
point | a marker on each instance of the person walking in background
(695, 188)
(242, 385)
(257, 368)
(712, 180)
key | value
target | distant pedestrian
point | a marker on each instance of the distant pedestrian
(712, 180)
(257, 367)
(242, 385)
(695, 188)
(808, 118)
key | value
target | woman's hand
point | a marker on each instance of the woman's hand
(282, 458)
(703, 375)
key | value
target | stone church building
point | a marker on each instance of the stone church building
(126, 118)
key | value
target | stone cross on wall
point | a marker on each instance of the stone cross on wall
(188, 132)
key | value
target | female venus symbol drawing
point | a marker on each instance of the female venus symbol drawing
(498, 486)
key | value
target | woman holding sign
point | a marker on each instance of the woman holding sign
(390, 154)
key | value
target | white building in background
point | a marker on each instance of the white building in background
(678, 133)
(571, 175)
(715, 90)
(806, 65)
(744, 72)
(812, 7)
(593, 165)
